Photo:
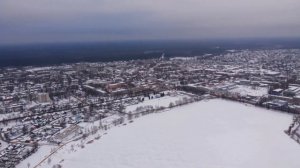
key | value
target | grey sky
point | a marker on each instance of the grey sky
(23, 21)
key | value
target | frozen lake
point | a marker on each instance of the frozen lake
(207, 134)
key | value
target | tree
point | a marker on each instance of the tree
(121, 108)
(63, 124)
(49, 160)
(24, 130)
(130, 116)
(6, 137)
(94, 129)
(72, 148)
(57, 166)
(100, 123)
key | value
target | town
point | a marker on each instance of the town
(54, 105)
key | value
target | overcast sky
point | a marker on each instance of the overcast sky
(27, 21)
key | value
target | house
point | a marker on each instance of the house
(276, 91)
(277, 104)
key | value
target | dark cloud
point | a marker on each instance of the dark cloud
(96, 20)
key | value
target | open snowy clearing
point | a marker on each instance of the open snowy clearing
(249, 91)
(207, 134)
(156, 102)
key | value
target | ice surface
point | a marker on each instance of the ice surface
(207, 134)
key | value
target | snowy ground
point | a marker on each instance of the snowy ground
(156, 102)
(248, 90)
(43, 151)
(207, 134)
(3, 145)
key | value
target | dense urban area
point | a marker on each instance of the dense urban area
(55, 105)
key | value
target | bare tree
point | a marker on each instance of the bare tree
(49, 160)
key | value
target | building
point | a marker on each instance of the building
(43, 97)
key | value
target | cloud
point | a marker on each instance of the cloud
(93, 20)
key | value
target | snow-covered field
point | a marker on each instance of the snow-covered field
(42, 152)
(248, 90)
(156, 102)
(208, 134)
